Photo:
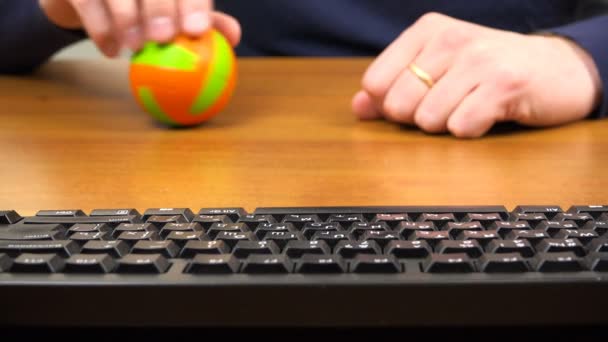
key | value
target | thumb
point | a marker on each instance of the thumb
(363, 106)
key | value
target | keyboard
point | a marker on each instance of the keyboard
(306, 266)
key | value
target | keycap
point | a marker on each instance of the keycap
(468, 247)
(112, 221)
(233, 213)
(408, 249)
(252, 221)
(186, 213)
(557, 262)
(218, 228)
(332, 238)
(244, 249)
(27, 234)
(311, 263)
(448, 263)
(89, 228)
(503, 228)
(348, 249)
(455, 228)
(232, 238)
(83, 237)
(9, 217)
(522, 247)
(382, 238)
(598, 245)
(295, 249)
(143, 263)
(392, 220)
(282, 238)
(263, 264)
(579, 219)
(346, 220)
(133, 237)
(600, 227)
(533, 219)
(484, 219)
(365, 263)
(548, 210)
(133, 227)
(160, 221)
(438, 219)
(63, 248)
(406, 229)
(116, 249)
(37, 263)
(180, 227)
(213, 264)
(5, 262)
(300, 220)
(61, 213)
(584, 236)
(532, 236)
(166, 248)
(594, 210)
(309, 229)
(597, 262)
(265, 228)
(193, 248)
(181, 238)
(115, 212)
(90, 263)
(431, 237)
(503, 263)
(207, 220)
(559, 245)
(553, 227)
(482, 237)
(359, 228)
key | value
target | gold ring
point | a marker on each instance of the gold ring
(422, 75)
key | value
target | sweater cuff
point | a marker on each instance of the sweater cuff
(590, 35)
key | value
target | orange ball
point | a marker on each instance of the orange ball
(185, 82)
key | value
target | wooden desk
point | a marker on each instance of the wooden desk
(72, 137)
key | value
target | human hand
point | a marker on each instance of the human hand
(113, 24)
(481, 76)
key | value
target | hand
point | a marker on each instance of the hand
(113, 24)
(481, 76)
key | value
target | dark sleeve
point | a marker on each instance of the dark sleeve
(27, 37)
(592, 35)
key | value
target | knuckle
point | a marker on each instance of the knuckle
(479, 53)
(508, 78)
(428, 122)
(454, 37)
(396, 110)
(430, 18)
(374, 85)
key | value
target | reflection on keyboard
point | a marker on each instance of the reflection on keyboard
(395, 247)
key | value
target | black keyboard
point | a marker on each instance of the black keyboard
(325, 266)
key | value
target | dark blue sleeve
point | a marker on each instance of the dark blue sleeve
(27, 37)
(592, 35)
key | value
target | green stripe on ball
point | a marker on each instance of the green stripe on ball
(147, 98)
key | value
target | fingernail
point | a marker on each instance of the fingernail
(110, 48)
(133, 38)
(161, 28)
(196, 22)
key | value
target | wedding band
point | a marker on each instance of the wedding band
(422, 75)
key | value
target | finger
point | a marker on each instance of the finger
(363, 106)
(160, 18)
(98, 25)
(228, 25)
(195, 16)
(385, 70)
(442, 100)
(125, 16)
(476, 114)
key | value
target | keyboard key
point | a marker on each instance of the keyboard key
(448, 263)
(532, 236)
(346, 220)
(83, 237)
(232, 238)
(167, 248)
(504, 228)
(206, 221)
(282, 238)
(359, 228)
(37, 263)
(593, 210)
(468, 247)
(300, 220)
(143, 263)
(112, 221)
(584, 236)
(598, 245)
(597, 262)
(503, 263)
(9, 217)
(431, 237)
(332, 238)
(160, 220)
(310, 263)
(61, 213)
(115, 212)
(533, 219)
(379, 237)
(557, 262)
(133, 227)
(218, 228)
(89, 228)
(63, 248)
(522, 247)
(90, 263)
(180, 227)
(5, 262)
(133, 237)
(407, 229)
(27, 234)
(181, 238)
(482, 237)
(455, 228)
(296, 249)
(263, 264)
(252, 221)
(559, 245)
(484, 219)
(364, 263)
(548, 210)
(117, 249)
(348, 249)
(439, 220)
(392, 220)
(579, 219)
(244, 249)
(600, 227)
(233, 213)
(264, 228)
(309, 229)
(408, 249)
(553, 227)
(213, 264)
(193, 248)
(186, 213)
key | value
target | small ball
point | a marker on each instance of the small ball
(185, 82)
